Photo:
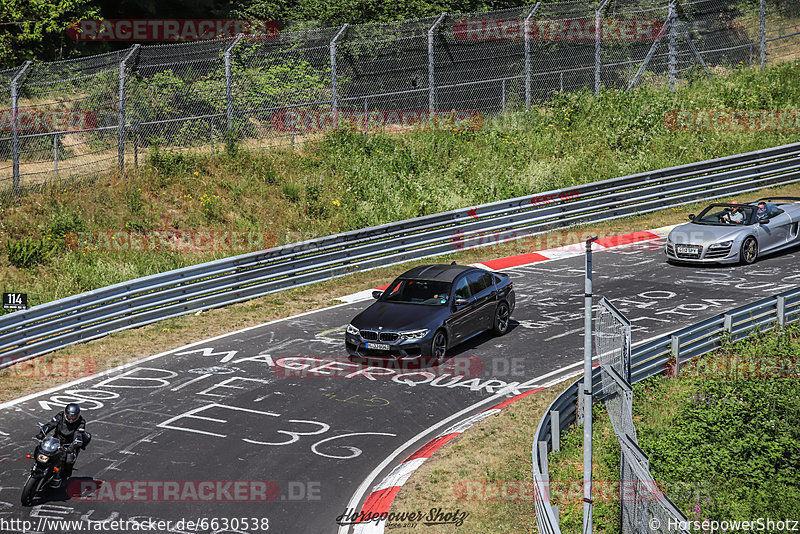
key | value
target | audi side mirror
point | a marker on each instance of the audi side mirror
(763, 220)
(691, 216)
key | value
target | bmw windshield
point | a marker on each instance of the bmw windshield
(426, 292)
(725, 215)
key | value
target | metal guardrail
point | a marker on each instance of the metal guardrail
(649, 359)
(94, 314)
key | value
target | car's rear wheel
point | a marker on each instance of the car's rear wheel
(749, 251)
(437, 349)
(502, 316)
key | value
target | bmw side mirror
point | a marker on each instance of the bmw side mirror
(377, 294)
(461, 302)
(691, 216)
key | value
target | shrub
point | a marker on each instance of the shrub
(26, 253)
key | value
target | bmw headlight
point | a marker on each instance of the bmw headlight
(724, 244)
(413, 334)
(352, 330)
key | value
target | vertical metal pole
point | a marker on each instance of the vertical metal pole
(211, 129)
(15, 81)
(763, 29)
(673, 60)
(598, 33)
(229, 85)
(587, 392)
(55, 155)
(123, 65)
(503, 97)
(366, 116)
(561, 81)
(527, 26)
(334, 85)
(431, 71)
(136, 145)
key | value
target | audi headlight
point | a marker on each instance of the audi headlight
(352, 330)
(724, 244)
(413, 334)
(43, 458)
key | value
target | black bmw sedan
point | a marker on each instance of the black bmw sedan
(428, 310)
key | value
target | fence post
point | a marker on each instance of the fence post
(763, 30)
(334, 88)
(527, 30)
(673, 60)
(55, 155)
(503, 95)
(123, 65)
(229, 85)
(598, 32)
(15, 81)
(136, 145)
(431, 71)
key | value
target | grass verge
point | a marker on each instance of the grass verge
(346, 180)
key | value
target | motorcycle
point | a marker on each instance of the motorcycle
(48, 459)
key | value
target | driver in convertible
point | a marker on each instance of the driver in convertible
(733, 215)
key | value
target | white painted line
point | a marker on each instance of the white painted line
(399, 474)
(13, 402)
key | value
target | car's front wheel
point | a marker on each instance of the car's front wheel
(749, 251)
(438, 348)
(501, 318)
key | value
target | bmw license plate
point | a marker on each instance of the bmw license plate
(378, 346)
(687, 250)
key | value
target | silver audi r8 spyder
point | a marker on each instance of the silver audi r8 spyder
(736, 233)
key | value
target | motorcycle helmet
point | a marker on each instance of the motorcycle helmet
(72, 411)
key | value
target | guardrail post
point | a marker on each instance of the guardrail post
(673, 59)
(597, 38)
(18, 78)
(781, 309)
(334, 86)
(123, 65)
(543, 465)
(675, 349)
(763, 32)
(229, 85)
(527, 32)
(728, 323)
(431, 67)
(555, 430)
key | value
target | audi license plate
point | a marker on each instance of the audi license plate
(687, 250)
(378, 346)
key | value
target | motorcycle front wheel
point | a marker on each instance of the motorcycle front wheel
(29, 491)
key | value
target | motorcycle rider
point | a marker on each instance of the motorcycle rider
(70, 430)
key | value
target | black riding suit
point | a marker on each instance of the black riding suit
(68, 433)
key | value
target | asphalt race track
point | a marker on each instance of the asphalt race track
(277, 412)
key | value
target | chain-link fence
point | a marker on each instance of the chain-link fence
(643, 507)
(73, 119)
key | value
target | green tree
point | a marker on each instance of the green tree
(36, 29)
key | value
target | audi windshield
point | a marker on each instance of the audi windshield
(725, 215)
(426, 292)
